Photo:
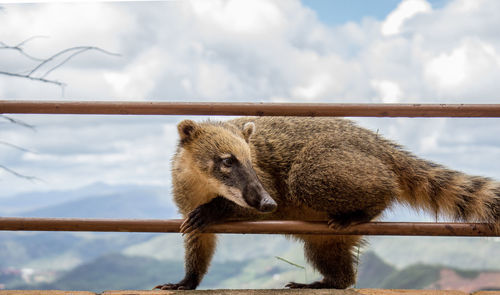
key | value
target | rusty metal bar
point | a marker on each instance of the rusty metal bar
(248, 227)
(248, 109)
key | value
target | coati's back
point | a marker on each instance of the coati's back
(278, 140)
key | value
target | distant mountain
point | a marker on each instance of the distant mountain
(84, 202)
(372, 270)
(134, 204)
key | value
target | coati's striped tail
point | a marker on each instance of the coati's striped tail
(450, 193)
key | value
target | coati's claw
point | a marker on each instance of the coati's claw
(293, 285)
(170, 287)
(194, 222)
(335, 225)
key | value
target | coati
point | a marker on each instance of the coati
(308, 169)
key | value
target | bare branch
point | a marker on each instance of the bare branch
(27, 76)
(19, 48)
(17, 147)
(31, 38)
(30, 73)
(27, 177)
(64, 61)
(18, 122)
(77, 48)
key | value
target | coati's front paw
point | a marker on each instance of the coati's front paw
(195, 222)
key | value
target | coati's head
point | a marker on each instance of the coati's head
(220, 152)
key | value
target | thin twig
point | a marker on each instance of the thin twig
(289, 262)
(27, 177)
(296, 265)
(19, 48)
(64, 61)
(31, 38)
(18, 122)
(42, 78)
(77, 48)
(33, 78)
(17, 147)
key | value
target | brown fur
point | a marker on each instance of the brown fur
(315, 169)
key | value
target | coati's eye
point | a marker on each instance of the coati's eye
(228, 162)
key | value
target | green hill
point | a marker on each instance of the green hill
(413, 277)
(457, 252)
(372, 270)
(116, 272)
(61, 251)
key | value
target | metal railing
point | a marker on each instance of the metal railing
(249, 109)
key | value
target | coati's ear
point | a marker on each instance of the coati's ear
(186, 130)
(248, 130)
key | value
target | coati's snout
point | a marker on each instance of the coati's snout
(267, 204)
(257, 197)
(222, 155)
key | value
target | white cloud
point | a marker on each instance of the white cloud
(405, 11)
(240, 16)
(448, 70)
(315, 87)
(463, 65)
(388, 91)
(65, 25)
(138, 78)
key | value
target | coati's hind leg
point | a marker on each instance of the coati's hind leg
(332, 257)
(350, 185)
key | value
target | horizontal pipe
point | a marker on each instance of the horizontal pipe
(248, 109)
(248, 227)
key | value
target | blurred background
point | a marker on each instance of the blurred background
(386, 51)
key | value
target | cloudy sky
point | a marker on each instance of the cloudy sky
(293, 51)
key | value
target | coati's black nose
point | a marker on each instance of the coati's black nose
(267, 204)
(257, 197)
